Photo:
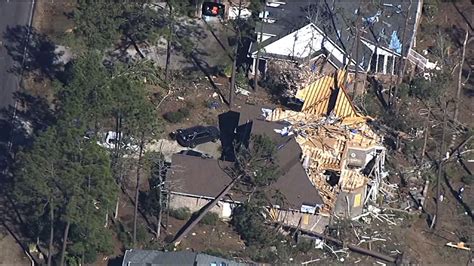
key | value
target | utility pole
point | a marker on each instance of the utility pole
(440, 169)
(236, 50)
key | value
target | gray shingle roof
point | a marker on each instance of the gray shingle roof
(336, 19)
(137, 257)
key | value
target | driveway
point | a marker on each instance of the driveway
(170, 147)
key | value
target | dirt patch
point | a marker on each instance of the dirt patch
(51, 17)
(10, 251)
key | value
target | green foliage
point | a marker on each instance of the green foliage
(142, 234)
(180, 213)
(241, 79)
(431, 89)
(249, 222)
(142, 23)
(97, 23)
(257, 164)
(210, 218)
(262, 254)
(217, 252)
(178, 116)
(304, 246)
(123, 235)
(65, 172)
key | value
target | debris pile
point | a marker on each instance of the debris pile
(293, 76)
(343, 157)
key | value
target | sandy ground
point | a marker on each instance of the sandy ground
(170, 147)
(10, 251)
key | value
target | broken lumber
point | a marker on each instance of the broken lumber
(460, 245)
(352, 247)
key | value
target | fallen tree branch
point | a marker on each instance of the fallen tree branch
(351, 247)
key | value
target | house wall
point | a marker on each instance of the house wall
(307, 221)
(355, 198)
(223, 209)
(311, 222)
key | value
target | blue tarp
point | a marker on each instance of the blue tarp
(395, 43)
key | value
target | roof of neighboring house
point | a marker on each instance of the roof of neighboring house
(137, 257)
(306, 42)
(383, 24)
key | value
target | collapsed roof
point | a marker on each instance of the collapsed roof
(335, 139)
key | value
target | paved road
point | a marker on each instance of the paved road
(12, 13)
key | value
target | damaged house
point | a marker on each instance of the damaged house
(343, 156)
(312, 38)
(194, 182)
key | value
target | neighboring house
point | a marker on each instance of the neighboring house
(301, 31)
(194, 182)
(137, 257)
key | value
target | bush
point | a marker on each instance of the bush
(123, 236)
(210, 218)
(180, 213)
(217, 253)
(178, 116)
(250, 224)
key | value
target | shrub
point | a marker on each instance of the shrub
(180, 213)
(217, 253)
(178, 116)
(123, 236)
(210, 218)
(250, 224)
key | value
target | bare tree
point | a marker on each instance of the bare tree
(258, 43)
(458, 93)
(236, 50)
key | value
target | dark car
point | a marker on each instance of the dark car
(190, 137)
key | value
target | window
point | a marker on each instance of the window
(201, 135)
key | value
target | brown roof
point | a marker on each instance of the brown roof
(198, 176)
(207, 177)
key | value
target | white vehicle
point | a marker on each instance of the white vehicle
(234, 13)
(111, 138)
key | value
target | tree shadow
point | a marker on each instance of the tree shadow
(466, 19)
(18, 125)
(455, 194)
(32, 52)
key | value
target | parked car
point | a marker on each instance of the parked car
(190, 137)
(195, 154)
